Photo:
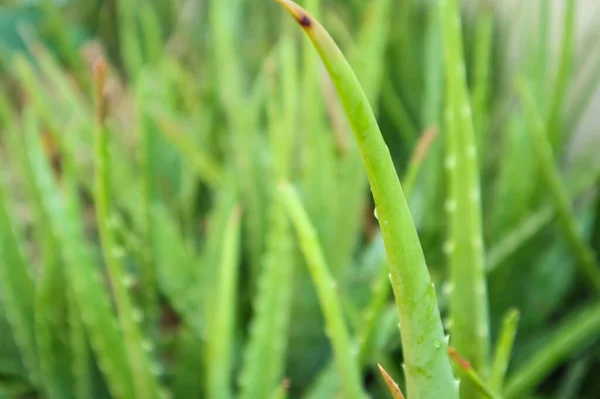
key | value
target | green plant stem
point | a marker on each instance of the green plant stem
(428, 369)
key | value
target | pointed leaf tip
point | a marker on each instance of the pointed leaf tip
(301, 15)
(100, 70)
(392, 386)
(458, 359)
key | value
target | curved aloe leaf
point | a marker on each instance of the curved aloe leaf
(367, 59)
(428, 369)
(327, 382)
(345, 360)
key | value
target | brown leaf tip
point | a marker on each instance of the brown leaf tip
(100, 71)
(392, 386)
(304, 20)
(425, 142)
(458, 359)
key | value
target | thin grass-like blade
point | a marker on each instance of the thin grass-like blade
(543, 150)
(472, 375)
(503, 350)
(573, 333)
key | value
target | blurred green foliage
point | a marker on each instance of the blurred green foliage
(210, 106)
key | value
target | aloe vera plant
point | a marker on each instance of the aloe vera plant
(468, 291)
(214, 234)
(144, 380)
(422, 334)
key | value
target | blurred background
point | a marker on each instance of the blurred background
(211, 104)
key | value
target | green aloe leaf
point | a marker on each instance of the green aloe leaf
(464, 246)
(344, 351)
(137, 347)
(428, 369)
